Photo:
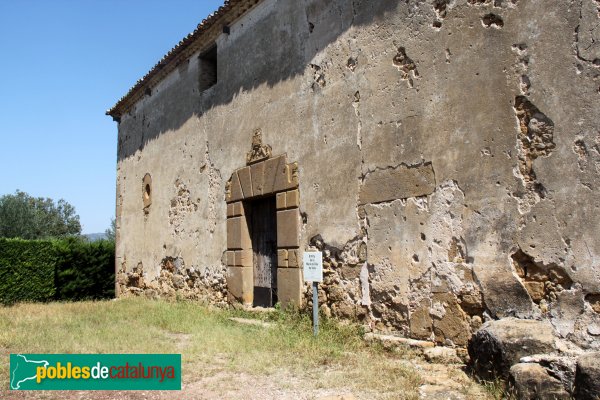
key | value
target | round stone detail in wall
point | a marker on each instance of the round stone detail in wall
(147, 192)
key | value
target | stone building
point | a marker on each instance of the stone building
(443, 154)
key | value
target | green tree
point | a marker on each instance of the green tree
(110, 231)
(26, 217)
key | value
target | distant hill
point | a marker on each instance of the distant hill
(92, 237)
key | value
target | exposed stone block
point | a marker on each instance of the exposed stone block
(286, 177)
(239, 285)
(294, 258)
(281, 181)
(280, 201)
(452, 325)
(393, 341)
(243, 258)
(245, 182)
(230, 210)
(397, 183)
(532, 381)
(421, 323)
(230, 258)
(292, 198)
(288, 228)
(442, 355)
(504, 294)
(273, 167)
(282, 258)
(238, 236)
(236, 189)
(560, 366)
(257, 174)
(238, 209)
(289, 287)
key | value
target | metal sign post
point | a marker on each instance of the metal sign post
(315, 286)
(313, 272)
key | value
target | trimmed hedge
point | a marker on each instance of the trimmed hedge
(85, 270)
(26, 270)
(45, 270)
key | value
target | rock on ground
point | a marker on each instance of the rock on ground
(500, 344)
(530, 381)
(587, 377)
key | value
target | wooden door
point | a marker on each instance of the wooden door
(263, 226)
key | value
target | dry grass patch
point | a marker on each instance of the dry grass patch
(211, 344)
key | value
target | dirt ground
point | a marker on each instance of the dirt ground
(228, 357)
(439, 381)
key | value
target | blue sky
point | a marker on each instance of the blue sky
(63, 63)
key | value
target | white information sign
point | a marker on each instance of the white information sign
(313, 266)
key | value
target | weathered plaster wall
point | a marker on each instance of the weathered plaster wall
(448, 155)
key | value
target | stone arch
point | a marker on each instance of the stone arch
(264, 175)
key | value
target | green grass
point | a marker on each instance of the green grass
(498, 390)
(209, 342)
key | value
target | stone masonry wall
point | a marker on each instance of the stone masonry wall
(448, 160)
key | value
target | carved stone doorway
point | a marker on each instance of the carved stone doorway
(265, 191)
(262, 221)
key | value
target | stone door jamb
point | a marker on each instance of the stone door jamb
(263, 176)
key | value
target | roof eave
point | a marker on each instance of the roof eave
(203, 36)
